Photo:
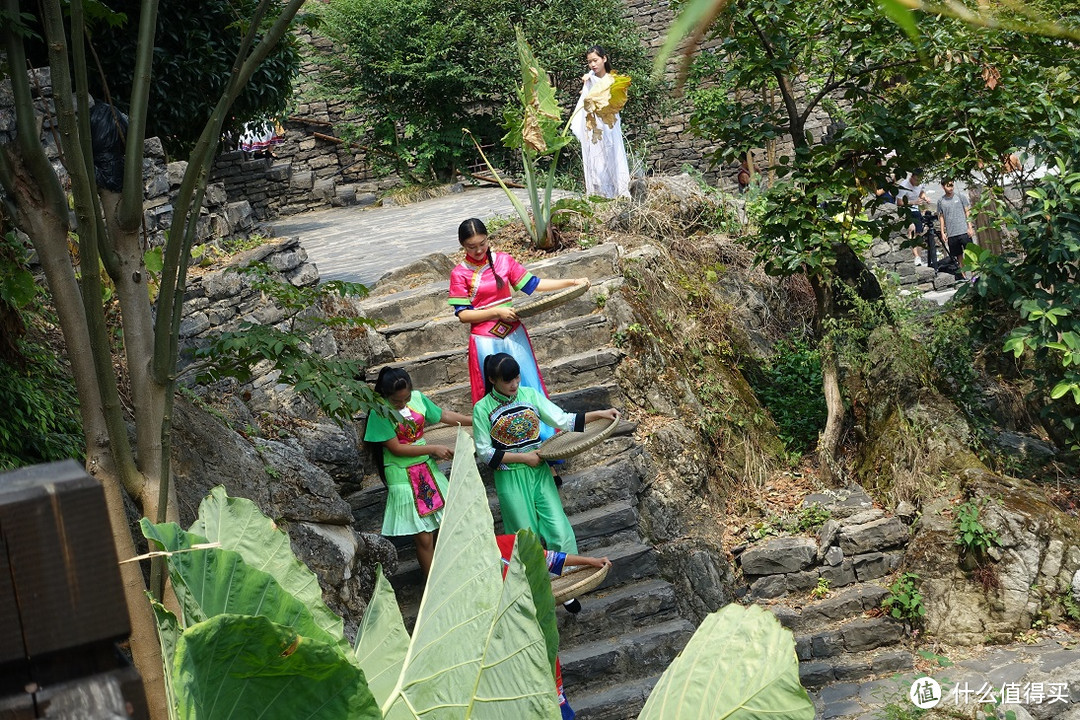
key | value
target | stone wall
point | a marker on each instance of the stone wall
(220, 217)
(860, 546)
(309, 169)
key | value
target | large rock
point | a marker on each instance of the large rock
(779, 555)
(1039, 551)
(875, 535)
(335, 449)
(205, 454)
(287, 488)
(300, 490)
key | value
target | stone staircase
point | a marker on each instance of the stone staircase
(629, 629)
(844, 636)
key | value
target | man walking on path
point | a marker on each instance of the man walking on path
(956, 229)
(912, 194)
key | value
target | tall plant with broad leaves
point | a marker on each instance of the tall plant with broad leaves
(535, 128)
(254, 637)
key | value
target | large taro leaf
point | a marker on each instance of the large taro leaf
(216, 581)
(531, 552)
(477, 650)
(381, 640)
(604, 101)
(168, 628)
(239, 525)
(740, 664)
(538, 129)
(241, 666)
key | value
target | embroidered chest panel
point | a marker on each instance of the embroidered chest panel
(514, 426)
(412, 429)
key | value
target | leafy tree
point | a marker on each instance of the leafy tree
(107, 226)
(778, 63)
(195, 44)
(418, 71)
(985, 94)
(1029, 298)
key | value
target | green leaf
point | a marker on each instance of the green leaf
(693, 15)
(234, 666)
(381, 640)
(217, 581)
(477, 650)
(154, 260)
(739, 664)
(238, 525)
(1061, 388)
(527, 546)
(168, 628)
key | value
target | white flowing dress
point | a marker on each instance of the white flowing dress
(606, 171)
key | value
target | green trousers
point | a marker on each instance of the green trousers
(529, 499)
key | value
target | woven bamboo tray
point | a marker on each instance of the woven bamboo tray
(567, 444)
(551, 300)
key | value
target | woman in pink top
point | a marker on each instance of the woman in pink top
(481, 289)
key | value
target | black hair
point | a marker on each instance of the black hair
(391, 380)
(469, 229)
(502, 366)
(600, 52)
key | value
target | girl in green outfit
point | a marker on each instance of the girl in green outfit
(415, 487)
(506, 429)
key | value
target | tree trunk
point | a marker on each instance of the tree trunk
(145, 648)
(147, 395)
(829, 441)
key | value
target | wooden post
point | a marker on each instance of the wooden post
(62, 611)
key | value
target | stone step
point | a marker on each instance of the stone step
(551, 342)
(592, 367)
(640, 654)
(428, 301)
(446, 331)
(850, 602)
(595, 527)
(852, 636)
(605, 613)
(854, 666)
(622, 701)
(631, 560)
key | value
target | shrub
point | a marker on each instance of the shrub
(418, 71)
(904, 601)
(971, 535)
(40, 421)
(791, 390)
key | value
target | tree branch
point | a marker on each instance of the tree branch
(28, 135)
(835, 84)
(131, 199)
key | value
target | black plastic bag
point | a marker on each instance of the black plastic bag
(108, 129)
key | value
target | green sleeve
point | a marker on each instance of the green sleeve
(379, 429)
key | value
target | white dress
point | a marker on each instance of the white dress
(606, 171)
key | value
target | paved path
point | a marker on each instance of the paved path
(1036, 681)
(361, 244)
